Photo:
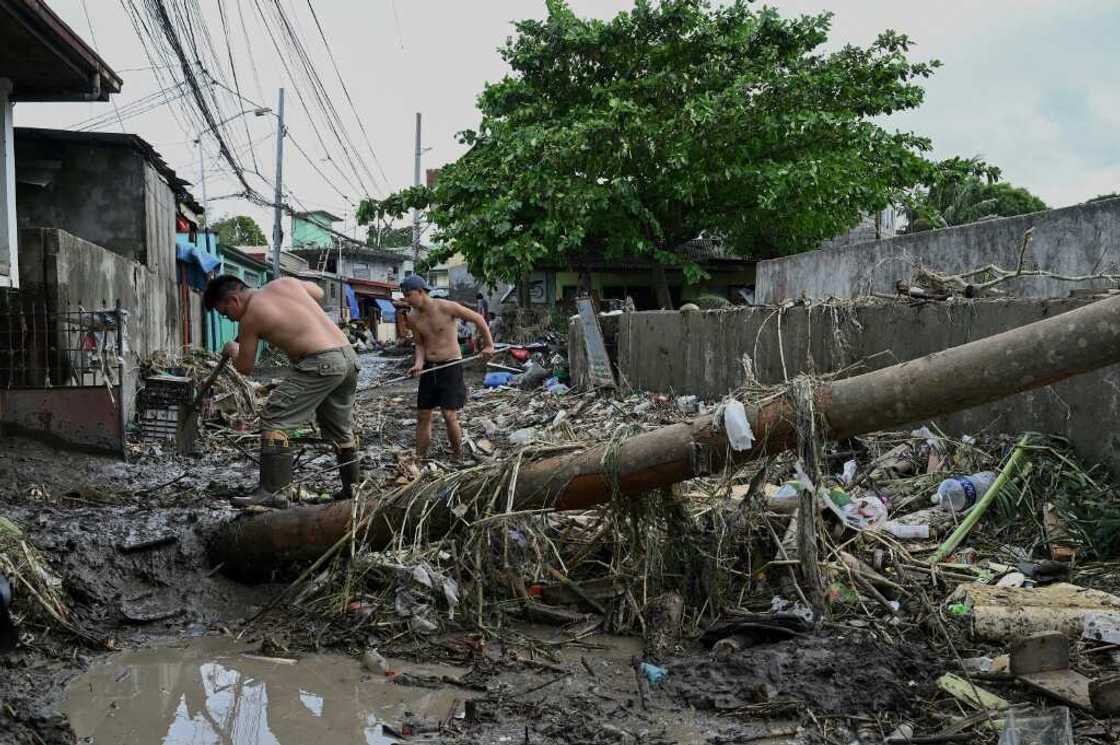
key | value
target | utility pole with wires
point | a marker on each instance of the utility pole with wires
(416, 212)
(277, 226)
(202, 178)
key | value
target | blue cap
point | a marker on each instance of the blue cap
(414, 282)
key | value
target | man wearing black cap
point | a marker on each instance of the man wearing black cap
(434, 324)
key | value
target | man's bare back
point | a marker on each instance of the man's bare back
(436, 329)
(285, 313)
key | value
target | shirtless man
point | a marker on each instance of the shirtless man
(322, 380)
(433, 323)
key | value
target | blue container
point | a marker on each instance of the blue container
(495, 379)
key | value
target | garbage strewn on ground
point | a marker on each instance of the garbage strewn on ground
(928, 542)
(945, 563)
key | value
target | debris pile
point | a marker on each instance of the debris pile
(921, 539)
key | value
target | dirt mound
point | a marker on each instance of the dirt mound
(852, 674)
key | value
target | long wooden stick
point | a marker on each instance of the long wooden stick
(425, 371)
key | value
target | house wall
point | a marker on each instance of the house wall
(159, 222)
(717, 283)
(69, 273)
(379, 269)
(1078, 240)
(701, 353)
(97, 193)
(307, 232)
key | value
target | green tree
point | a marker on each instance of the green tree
(1103, 197)
(631, 136)
(239, 230)
(387, 236)
(964, 191)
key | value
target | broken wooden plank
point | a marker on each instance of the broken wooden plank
(1068, 686)
(970, 693)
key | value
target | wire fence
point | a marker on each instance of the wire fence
(45, 348)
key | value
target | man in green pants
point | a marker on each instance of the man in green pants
(321, 382)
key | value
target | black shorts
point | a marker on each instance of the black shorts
(442, 389)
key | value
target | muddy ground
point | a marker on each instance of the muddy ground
(126, 539)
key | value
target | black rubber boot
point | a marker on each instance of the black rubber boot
(276, 475)
(349, 472)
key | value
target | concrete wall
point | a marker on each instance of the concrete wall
(68, 272)
(159, 223)
(701, 353)
(1084, 239)
(86, 418)
(96, 192)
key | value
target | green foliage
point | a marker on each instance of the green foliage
(387, 236)
(240, 230)
(964, 191)
(629, 137)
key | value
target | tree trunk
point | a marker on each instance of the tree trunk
(523, 298)
(661, 288)
(972, 374)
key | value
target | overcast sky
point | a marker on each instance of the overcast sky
(1033, 86)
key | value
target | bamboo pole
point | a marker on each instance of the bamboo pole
(984, 503)
(972, 374)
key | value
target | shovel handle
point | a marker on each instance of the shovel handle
(209, 382)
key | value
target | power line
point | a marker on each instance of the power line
(346, 90)
(233, 71)
(310, 161)
(330, 113)
(131, 110)
(93, 38)
(397, 20)
(196, 90)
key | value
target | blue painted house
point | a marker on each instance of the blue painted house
(205, 256)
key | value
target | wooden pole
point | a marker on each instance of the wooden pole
(972, 374)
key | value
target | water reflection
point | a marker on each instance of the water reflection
(209, 693)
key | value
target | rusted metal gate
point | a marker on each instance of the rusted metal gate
(62, 373)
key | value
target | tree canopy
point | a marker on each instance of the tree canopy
(239, 230)
(628, 137)
(964, 191)
(388, 236)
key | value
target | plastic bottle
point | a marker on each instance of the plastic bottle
(904, 531)
(959, 493)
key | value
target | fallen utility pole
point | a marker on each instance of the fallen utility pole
(972, 374)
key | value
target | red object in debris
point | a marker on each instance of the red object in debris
(519, 354)
(535, 591)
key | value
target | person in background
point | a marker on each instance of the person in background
(483, 307)
(497, 327)
(434, 325)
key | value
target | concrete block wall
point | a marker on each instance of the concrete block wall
(68, 272)
(1079, 240)
(701, 353)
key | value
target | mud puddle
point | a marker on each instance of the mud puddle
(216, 690)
